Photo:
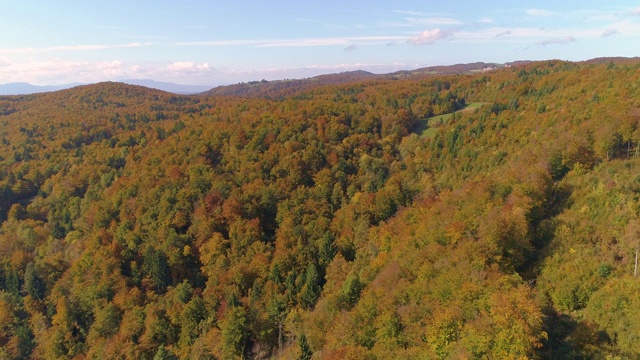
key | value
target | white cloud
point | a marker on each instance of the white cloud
(188, 67)
(56, 71)
(431, 36)
(112, 69)
(609, 32)
(539, 12)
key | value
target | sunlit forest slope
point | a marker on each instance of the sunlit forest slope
(340, 222)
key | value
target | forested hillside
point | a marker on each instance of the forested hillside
(327, 224)
(287, 88)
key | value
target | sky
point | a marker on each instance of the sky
(197, 42)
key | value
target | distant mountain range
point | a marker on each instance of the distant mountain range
(265, 88)
(21, 88)
(283, 88)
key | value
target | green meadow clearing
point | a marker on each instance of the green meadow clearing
(429, 126)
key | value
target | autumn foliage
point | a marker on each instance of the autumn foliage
(323, 224)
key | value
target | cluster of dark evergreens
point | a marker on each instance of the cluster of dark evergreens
(144, 225)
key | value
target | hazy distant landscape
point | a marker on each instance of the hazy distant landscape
(258, 87)
(25, 88)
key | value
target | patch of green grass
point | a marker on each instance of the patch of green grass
(440, 119)
(429, 133)
(473, 105)
(428, 127)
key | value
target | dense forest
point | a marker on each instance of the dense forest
(336, 222)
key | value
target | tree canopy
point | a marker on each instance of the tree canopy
(341, 221)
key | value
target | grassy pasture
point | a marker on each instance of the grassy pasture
(429, 126)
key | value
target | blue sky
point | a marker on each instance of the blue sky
(201, 42)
